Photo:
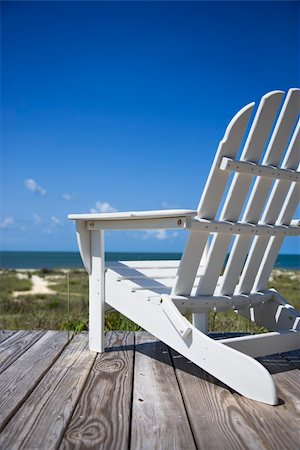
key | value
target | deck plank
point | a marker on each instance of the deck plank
(55, 393)
(15, 345)
(293, 357)
(102, 417)
(278, 425)
(5, 334)
(286, 377)
(21, 377)
(217, 421)
(159, 419)
(52, 403)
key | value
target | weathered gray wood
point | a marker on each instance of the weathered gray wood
(21, 377)
(159, 419)
(278, 426)
(53, 396)
(217, 421)
(41, 420)
(5, 334)
(293, 357)
(102, 417)
(287, 379)
(15, 345)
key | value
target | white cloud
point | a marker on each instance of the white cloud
(6, 222)
(55, 221)
(161, 235)
(167, 205)
(37, 219)
(34, 187)
(103, 207)
(69, 197)
(51, 227)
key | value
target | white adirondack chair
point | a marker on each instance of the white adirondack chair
(257, 161)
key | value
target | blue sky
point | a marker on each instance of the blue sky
(121, 105)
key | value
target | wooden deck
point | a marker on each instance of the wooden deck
(139, 394)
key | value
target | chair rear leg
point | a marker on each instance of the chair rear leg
(200, 321)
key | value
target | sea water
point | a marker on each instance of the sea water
(57, 260)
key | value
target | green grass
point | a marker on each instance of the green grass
(67, 309)
(10, 282)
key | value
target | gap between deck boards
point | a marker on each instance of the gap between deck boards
(139, 394)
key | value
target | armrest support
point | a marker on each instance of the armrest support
(87, 223)
(139, 220)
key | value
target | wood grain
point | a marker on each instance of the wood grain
(159, 419)
(15, 345)
(52, 403)
(102, 417)
(59, 395)
(278, 426)
(293, 357)
(286, 377)
(217, 421)
(21, 377)
(5, 334)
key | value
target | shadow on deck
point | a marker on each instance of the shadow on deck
(139, 394)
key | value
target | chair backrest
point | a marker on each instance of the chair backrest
(253, 181)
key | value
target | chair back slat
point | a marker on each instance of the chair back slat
(250, 198)
(212, 195)
(275, 243)
(271, 213)
(237, 194)
(258, 197)
(279, 191)
(281, 187)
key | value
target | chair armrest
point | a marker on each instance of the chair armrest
(139, 220)
(173, 218)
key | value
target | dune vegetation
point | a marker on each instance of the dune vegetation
(58, 300)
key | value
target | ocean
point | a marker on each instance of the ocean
(60, 260)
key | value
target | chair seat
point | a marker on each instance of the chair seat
(155, 276)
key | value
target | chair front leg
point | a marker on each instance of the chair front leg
(97, 292)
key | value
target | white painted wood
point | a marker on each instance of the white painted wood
(281, 188)
(189, 264)
(275, 315)
(257, 199)
(229, 146)
(266, 343)
(96, 293)
(138, 224)
(181, 324)
(204, 303)
(84, 243)
(156, 294)
(260, 170)
(258, 229)
(133, 215)
(241, 372)
(208, 206)
(273, 247)
(144, 265)
(200, 321)
(272, 210)
(253, 148)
